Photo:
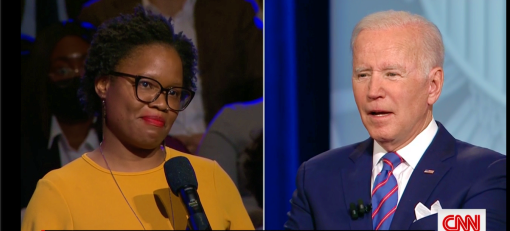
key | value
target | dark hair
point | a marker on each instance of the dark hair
(35, 75)
(253, 168)
(116, 39)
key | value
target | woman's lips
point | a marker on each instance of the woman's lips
(154, 121)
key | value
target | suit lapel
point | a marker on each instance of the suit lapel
(356, 182)
(421, 184)
(49, 159)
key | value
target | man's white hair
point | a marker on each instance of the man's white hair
(432, 54)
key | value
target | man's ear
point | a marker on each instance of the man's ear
(435, 81)
(102, 84)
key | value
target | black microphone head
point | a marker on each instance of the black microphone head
(353, 211)
(361, 207)
(179, 173)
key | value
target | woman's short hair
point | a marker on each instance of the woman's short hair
(117, 38)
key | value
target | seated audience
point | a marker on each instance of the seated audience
(54, 128)
(253, 170)
(226, 139)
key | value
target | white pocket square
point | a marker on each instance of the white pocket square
(422, 211)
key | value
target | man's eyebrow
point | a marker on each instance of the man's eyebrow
(61, 58)
(394, 67)
(360, 69)
(67, 58)
(385, 67)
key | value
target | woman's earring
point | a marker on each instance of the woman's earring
(104, 110)
(104, 117)
(162, 146)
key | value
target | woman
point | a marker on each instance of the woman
(139, 74)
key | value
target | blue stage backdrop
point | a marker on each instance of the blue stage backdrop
(296, 97)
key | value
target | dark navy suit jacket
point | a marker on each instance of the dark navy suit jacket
(465, 176)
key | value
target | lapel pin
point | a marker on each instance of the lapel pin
(429, 171)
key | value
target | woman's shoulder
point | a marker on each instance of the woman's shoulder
(69, 171)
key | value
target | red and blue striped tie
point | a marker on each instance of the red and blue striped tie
(385, 193)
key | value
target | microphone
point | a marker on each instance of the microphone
(358, 211)
(354, 212)
(183, 183)
(361, 208)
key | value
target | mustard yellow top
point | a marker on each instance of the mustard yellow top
(83, 195)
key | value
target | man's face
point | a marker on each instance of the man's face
(390, 88)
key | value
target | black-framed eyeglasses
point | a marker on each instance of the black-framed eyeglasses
(147, 90)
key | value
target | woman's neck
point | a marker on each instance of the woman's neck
(122, 157)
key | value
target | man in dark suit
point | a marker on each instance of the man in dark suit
(409, 158)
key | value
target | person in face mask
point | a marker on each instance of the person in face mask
(55, 130)
(64, 79)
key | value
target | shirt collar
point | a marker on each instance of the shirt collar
(55, 130)
(92, 139)
(412, 152)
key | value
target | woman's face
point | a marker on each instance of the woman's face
(143, 125)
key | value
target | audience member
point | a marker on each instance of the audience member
(229, 49)
(54, 128)
(226, 139)
(38, 14)
(253, 170)
(26, 47)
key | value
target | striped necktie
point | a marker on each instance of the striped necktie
(385, 193)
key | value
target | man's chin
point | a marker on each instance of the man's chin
(381, 137)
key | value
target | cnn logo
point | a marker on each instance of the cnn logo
(461, 220)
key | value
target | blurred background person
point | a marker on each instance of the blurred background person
(253, 167)
(139, 74)
(36, 15)
(229, 45)
(39, 14)
(26, 47)
(54, 128)
(233, 130)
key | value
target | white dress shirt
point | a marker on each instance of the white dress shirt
(191, 120)
(411, 154)
(68, 153)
